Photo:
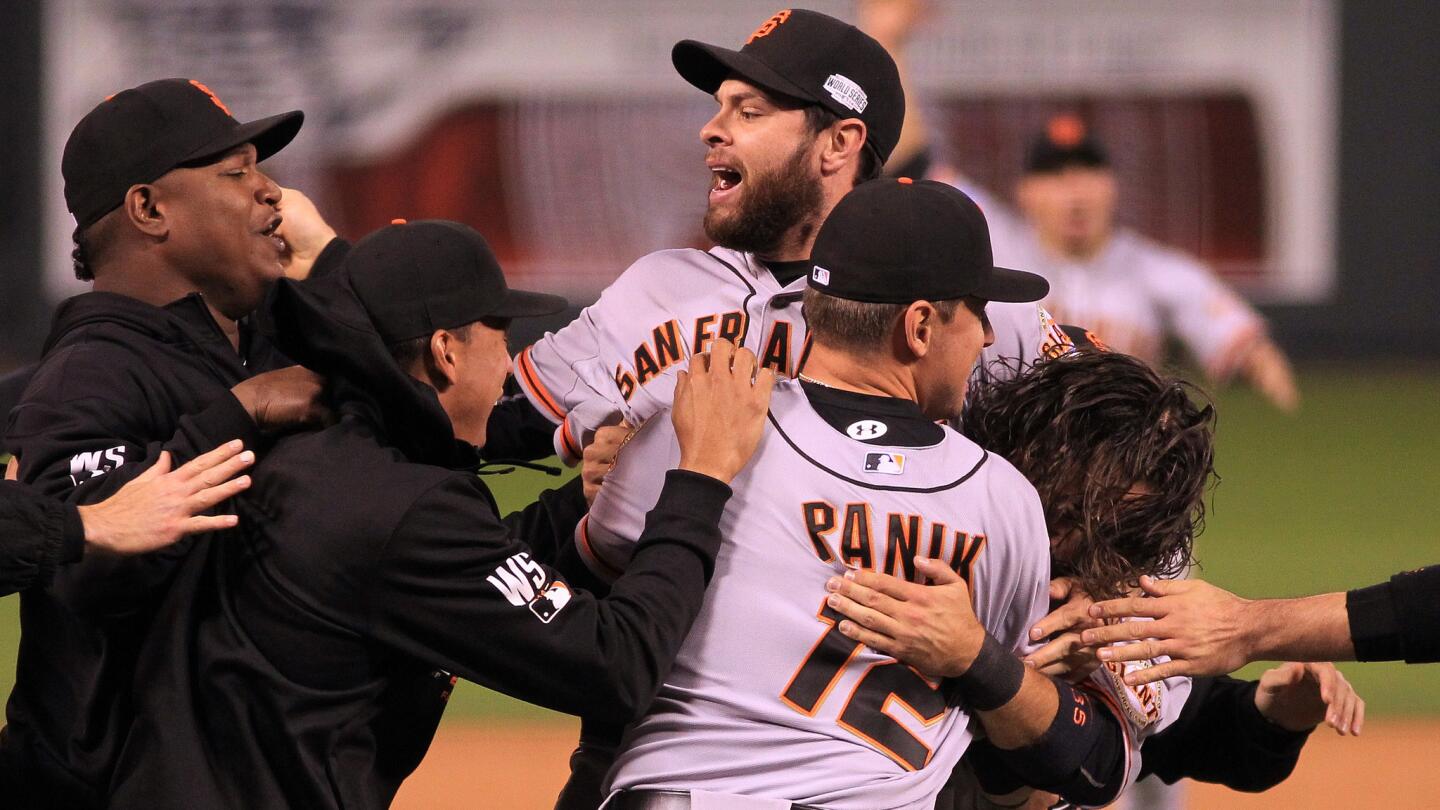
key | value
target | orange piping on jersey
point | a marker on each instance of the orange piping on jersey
(532, 382)
(572, 447)
(584, 532)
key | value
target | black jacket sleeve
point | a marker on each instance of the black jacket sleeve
(1399, 619)
(454, 587)
(12, 387)
(516, 430)
(1220, 737)
(548, 527)
(37, 536)
(81, 450)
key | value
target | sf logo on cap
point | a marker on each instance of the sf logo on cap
(769, 25)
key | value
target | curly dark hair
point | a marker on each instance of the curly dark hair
(1120, 454)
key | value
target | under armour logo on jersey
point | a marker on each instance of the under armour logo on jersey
(84, 466)
(820, 275)
(866, 429)
(885, 463)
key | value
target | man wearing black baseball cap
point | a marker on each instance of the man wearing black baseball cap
(177, 226)
(900, 277)
(373, 565)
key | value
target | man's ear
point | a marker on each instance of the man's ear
(842, 148)
(144, 212)
(918, 327)
(441, 362)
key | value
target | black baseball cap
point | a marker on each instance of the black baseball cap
(811, 57)
(416, 277)
(1064, 142)
(138, 135)
(897, 241)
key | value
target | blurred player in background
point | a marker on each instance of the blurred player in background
(1129, 290)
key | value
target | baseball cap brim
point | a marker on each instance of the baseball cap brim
(269, 135)
(707, 66)
(1012, 286)
(526, 304)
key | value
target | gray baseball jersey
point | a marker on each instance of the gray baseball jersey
(767, 698)
(1132, 294)
(618, 358)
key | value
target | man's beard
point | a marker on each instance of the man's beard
(773, 204)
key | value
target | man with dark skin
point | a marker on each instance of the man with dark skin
(177, 227)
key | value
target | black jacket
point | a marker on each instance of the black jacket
(1220, 737)
(120, 381)
(37, 536)
(311, 658)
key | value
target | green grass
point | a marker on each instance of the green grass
(1343, 494)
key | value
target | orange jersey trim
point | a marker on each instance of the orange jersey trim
(532, 382)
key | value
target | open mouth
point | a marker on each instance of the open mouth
(724, 178)
(269, 233)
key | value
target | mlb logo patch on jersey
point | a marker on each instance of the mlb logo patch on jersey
(551, 602)
(885, 463)
(820, 275)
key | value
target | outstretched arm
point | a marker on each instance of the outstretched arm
(1207, 630)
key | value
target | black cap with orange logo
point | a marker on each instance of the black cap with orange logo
(1065, 142)
(811, 57)
(138, 135)
(897, 241)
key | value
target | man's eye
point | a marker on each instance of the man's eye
(749, 115)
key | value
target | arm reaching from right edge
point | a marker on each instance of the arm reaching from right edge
(1206, 630)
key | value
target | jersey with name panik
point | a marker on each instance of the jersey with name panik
(619, 357)
(767, 698)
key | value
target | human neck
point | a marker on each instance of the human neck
(842, 370)
(796, 244)
(158, 286)
(1066, 250)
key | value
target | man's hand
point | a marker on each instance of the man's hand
(159, 506)
(1205, 630)
(1270, 373)
(284, 398)
(305, 233)
(719, 411)
(930, 627)
(600, 455)
(1065, 655)
(1297, 697)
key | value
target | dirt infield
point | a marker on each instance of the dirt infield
(521, 767)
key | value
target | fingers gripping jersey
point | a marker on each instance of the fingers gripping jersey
(619, 357)
(766, 698)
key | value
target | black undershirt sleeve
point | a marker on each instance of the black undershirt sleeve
(1220, 737)
(1399, 619)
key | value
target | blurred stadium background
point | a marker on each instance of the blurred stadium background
(1293, 144)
